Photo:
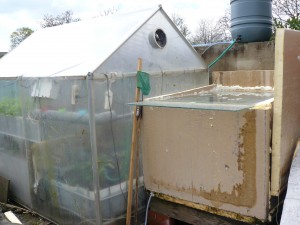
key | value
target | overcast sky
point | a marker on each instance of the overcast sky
(29, 13)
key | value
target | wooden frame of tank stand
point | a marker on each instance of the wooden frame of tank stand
(286, 119)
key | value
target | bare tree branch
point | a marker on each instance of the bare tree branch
(179, 22)
(109, 11)
(285, 11)
(210, 31)
(65, 17)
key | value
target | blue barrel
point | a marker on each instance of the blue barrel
(251, 20)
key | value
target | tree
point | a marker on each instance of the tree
(286, 14)
(224, 23)
(65, 17)
(109, 11)
(179, 22)
(210, 31)
(19, 35)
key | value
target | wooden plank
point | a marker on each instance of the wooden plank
(189, 215)
(244, 78)
(4, 185)
(286, 125)
(133, 150)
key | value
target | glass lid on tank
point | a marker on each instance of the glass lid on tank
(214, 97)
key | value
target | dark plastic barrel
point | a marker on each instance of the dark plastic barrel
(251, 20)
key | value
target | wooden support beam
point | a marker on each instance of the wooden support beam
(286, 125)
(133, 150)
(4, 185)
(189, 215)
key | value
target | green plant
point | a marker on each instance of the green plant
(10, 106)
(81, 173)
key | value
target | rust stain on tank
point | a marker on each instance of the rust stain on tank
(243, 194)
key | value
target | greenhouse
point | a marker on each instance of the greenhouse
(65, 121)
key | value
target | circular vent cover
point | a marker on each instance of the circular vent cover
(158, 39)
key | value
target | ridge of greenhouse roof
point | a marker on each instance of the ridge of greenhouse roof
(72, 49)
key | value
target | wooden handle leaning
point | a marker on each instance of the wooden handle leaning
(132, 151)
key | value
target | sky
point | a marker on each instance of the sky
(29, 13)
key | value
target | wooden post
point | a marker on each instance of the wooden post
(137, 157)
(133, 148)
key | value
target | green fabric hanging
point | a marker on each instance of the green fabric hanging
(143, 82)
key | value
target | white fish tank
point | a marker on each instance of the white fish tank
(209, 148)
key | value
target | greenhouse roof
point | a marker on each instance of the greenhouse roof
(72, 49)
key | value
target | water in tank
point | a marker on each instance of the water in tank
(251, 20)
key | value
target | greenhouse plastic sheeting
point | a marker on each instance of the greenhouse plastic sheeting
(105, 44)
(71, 48)
(48, 140)
(46, 145)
